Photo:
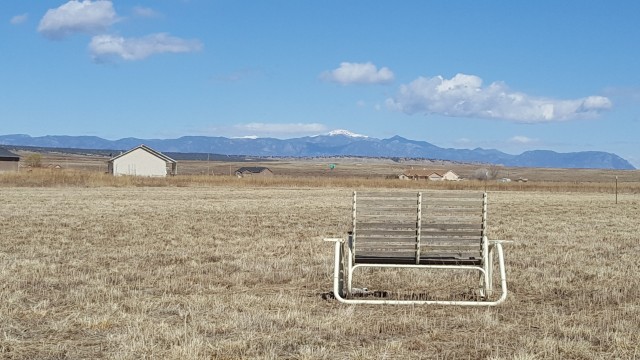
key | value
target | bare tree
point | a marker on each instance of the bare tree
(490, 173)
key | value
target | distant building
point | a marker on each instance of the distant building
(142, 161)
(8, 161)
(428, 175)
(254, 171)
(450, 176)
(415, 175)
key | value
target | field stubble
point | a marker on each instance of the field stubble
(242, 272)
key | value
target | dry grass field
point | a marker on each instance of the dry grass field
(233, 270)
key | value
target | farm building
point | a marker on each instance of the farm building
(8, 161)
(253, 171)
(142, 161)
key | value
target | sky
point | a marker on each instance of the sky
(506, 75)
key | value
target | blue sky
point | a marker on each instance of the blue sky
(508, 75)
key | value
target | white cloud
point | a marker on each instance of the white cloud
(358, 73)
(105, 48)
(523, 140)
(19, 19)
(145, 12)
(274, 129)
(77, 17)
(464, 96)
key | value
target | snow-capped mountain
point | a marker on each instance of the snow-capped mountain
(346, 133)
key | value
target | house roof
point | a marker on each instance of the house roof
(253, 170)
(8, 155)
(147, 149)
(412, 173)
(419, 173)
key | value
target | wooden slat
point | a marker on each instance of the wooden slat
(387, 194)
(451, 226)
(390, 248)
(451, 194)
(379, 218)
(459, 210)
(451, 249)
(386, 201)
(460, 255)
(403, 253)
(370, 239)
(428, 233)
(386, 210)
(452, 241)
(387, 225)
(450, 203)
(382, 233)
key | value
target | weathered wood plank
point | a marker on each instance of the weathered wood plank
(452, 194)
(451, 226)
(451, 233)
(371, 239)
(391, 254)
(386, 247)
(384, 210)
(408, 225)
(386, 194)
(382, 233)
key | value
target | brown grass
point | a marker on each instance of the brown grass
(86, 178)
(227, 271)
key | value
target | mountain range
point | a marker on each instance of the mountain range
(336, 143)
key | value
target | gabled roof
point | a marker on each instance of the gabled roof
(253, 170)
(8, 155)
(147, 149)
(416, 173)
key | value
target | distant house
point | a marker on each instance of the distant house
(254, 171)
(428, 175)
(142, 161)
(8, 161)
(415, 175)
(450, 176)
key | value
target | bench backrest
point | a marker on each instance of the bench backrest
(444, 227)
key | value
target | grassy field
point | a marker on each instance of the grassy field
(361, 168)
(239, 270)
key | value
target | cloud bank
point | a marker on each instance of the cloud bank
(358, 73)
(106, 48)
(77, 17)
(465, 96)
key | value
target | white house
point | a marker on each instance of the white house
(450, 176)
(142, 161)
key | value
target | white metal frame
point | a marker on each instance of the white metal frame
(343, 295)
(344, 269)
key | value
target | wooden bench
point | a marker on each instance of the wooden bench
(432, 230)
